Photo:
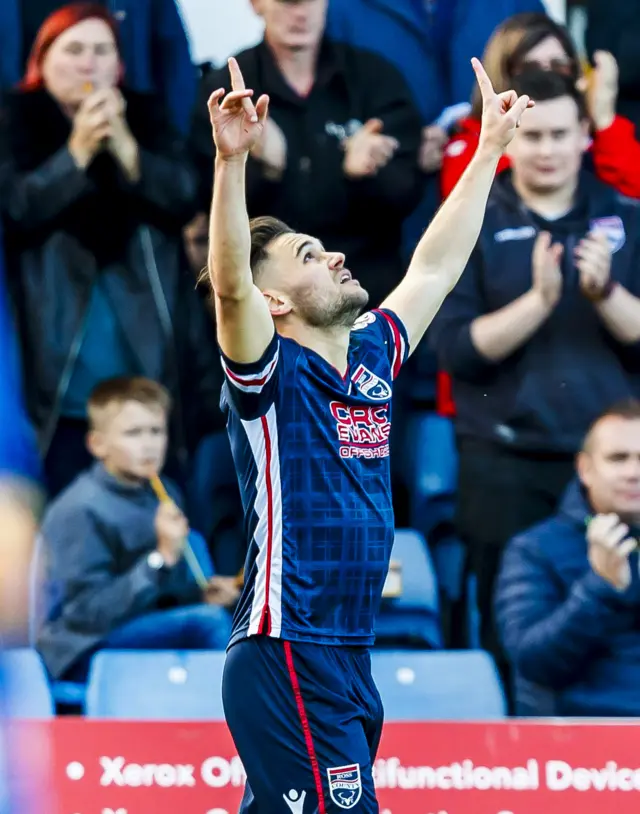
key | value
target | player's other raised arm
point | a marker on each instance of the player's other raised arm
(444, 250)
(244, 324)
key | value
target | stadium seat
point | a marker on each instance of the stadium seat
(28, 692)
(434, 463)
(155, 685)
(448, 685)
(414, 617)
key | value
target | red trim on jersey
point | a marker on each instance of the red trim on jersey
(306, 729)
(397, 340)
(255, 380)
(265, 620)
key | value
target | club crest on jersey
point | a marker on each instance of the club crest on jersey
(613, 228)
(345, 785)
(370, 385)
(364, 320)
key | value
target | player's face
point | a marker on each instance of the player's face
(296, 25)
(315, 282)
(610, 467)
(546, 153)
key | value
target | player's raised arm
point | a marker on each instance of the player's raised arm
(244, 324)
(444, 250)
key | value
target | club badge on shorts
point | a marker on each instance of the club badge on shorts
(345, 785)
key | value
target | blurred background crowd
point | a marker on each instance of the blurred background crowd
(108, 364)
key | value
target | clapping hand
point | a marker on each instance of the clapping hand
(609, 550)
(368, 150)
(593, 260)
(237, 124)
(501, 113)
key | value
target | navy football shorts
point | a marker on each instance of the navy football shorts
(306, 720)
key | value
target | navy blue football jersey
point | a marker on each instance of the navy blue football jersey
(311, 449)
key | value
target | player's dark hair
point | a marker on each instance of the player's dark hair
(627, 409)
(264, 231)
(545, 86)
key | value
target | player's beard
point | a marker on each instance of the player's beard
(340, 312)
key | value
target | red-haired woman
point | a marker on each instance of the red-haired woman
(95, 190)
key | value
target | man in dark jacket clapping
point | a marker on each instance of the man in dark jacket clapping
(568, 599)
(339, 155)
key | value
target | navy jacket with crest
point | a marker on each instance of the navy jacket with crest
(544, 396)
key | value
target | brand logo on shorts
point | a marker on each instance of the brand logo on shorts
(295, 801)
(370, 385)
(345, 785)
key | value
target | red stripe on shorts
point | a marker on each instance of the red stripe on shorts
(308, 738)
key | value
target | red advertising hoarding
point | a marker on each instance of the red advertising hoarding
(440, 768)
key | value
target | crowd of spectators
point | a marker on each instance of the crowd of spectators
(108, 364)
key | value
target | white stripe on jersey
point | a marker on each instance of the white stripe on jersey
(262, 434)
(252, 382)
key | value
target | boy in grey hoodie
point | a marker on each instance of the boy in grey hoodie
(116, 577)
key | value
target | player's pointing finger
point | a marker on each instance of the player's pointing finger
(237, 79)
(486, 88)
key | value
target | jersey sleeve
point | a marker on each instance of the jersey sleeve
(387, 330)
(250, 389)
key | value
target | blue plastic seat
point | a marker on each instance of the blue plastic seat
(142, 685)
(445, 685)
(28, 692)
(414, 617)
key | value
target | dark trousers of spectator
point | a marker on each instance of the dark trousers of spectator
(501, 493)
(194, 627)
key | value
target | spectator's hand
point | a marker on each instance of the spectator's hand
(547, 276)
(602, 90)
(609, 549)
(434, 140)
(271, 148)
(367, 150)
(121, 142)
(593, 260)
(501, 113)
(222, 591)
(92, 127)
(237, 125)
(171, 531)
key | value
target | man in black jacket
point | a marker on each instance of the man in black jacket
(543, 331)
(339, 154)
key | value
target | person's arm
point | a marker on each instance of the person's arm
(155, 171)
(83, 566)
(244, 323)
(262, 183)
(496, 336)
(551, 638)
(617, 307)
(620, 312)
(174, 74)
(615, 149)
(445, 248)
(399, 183)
